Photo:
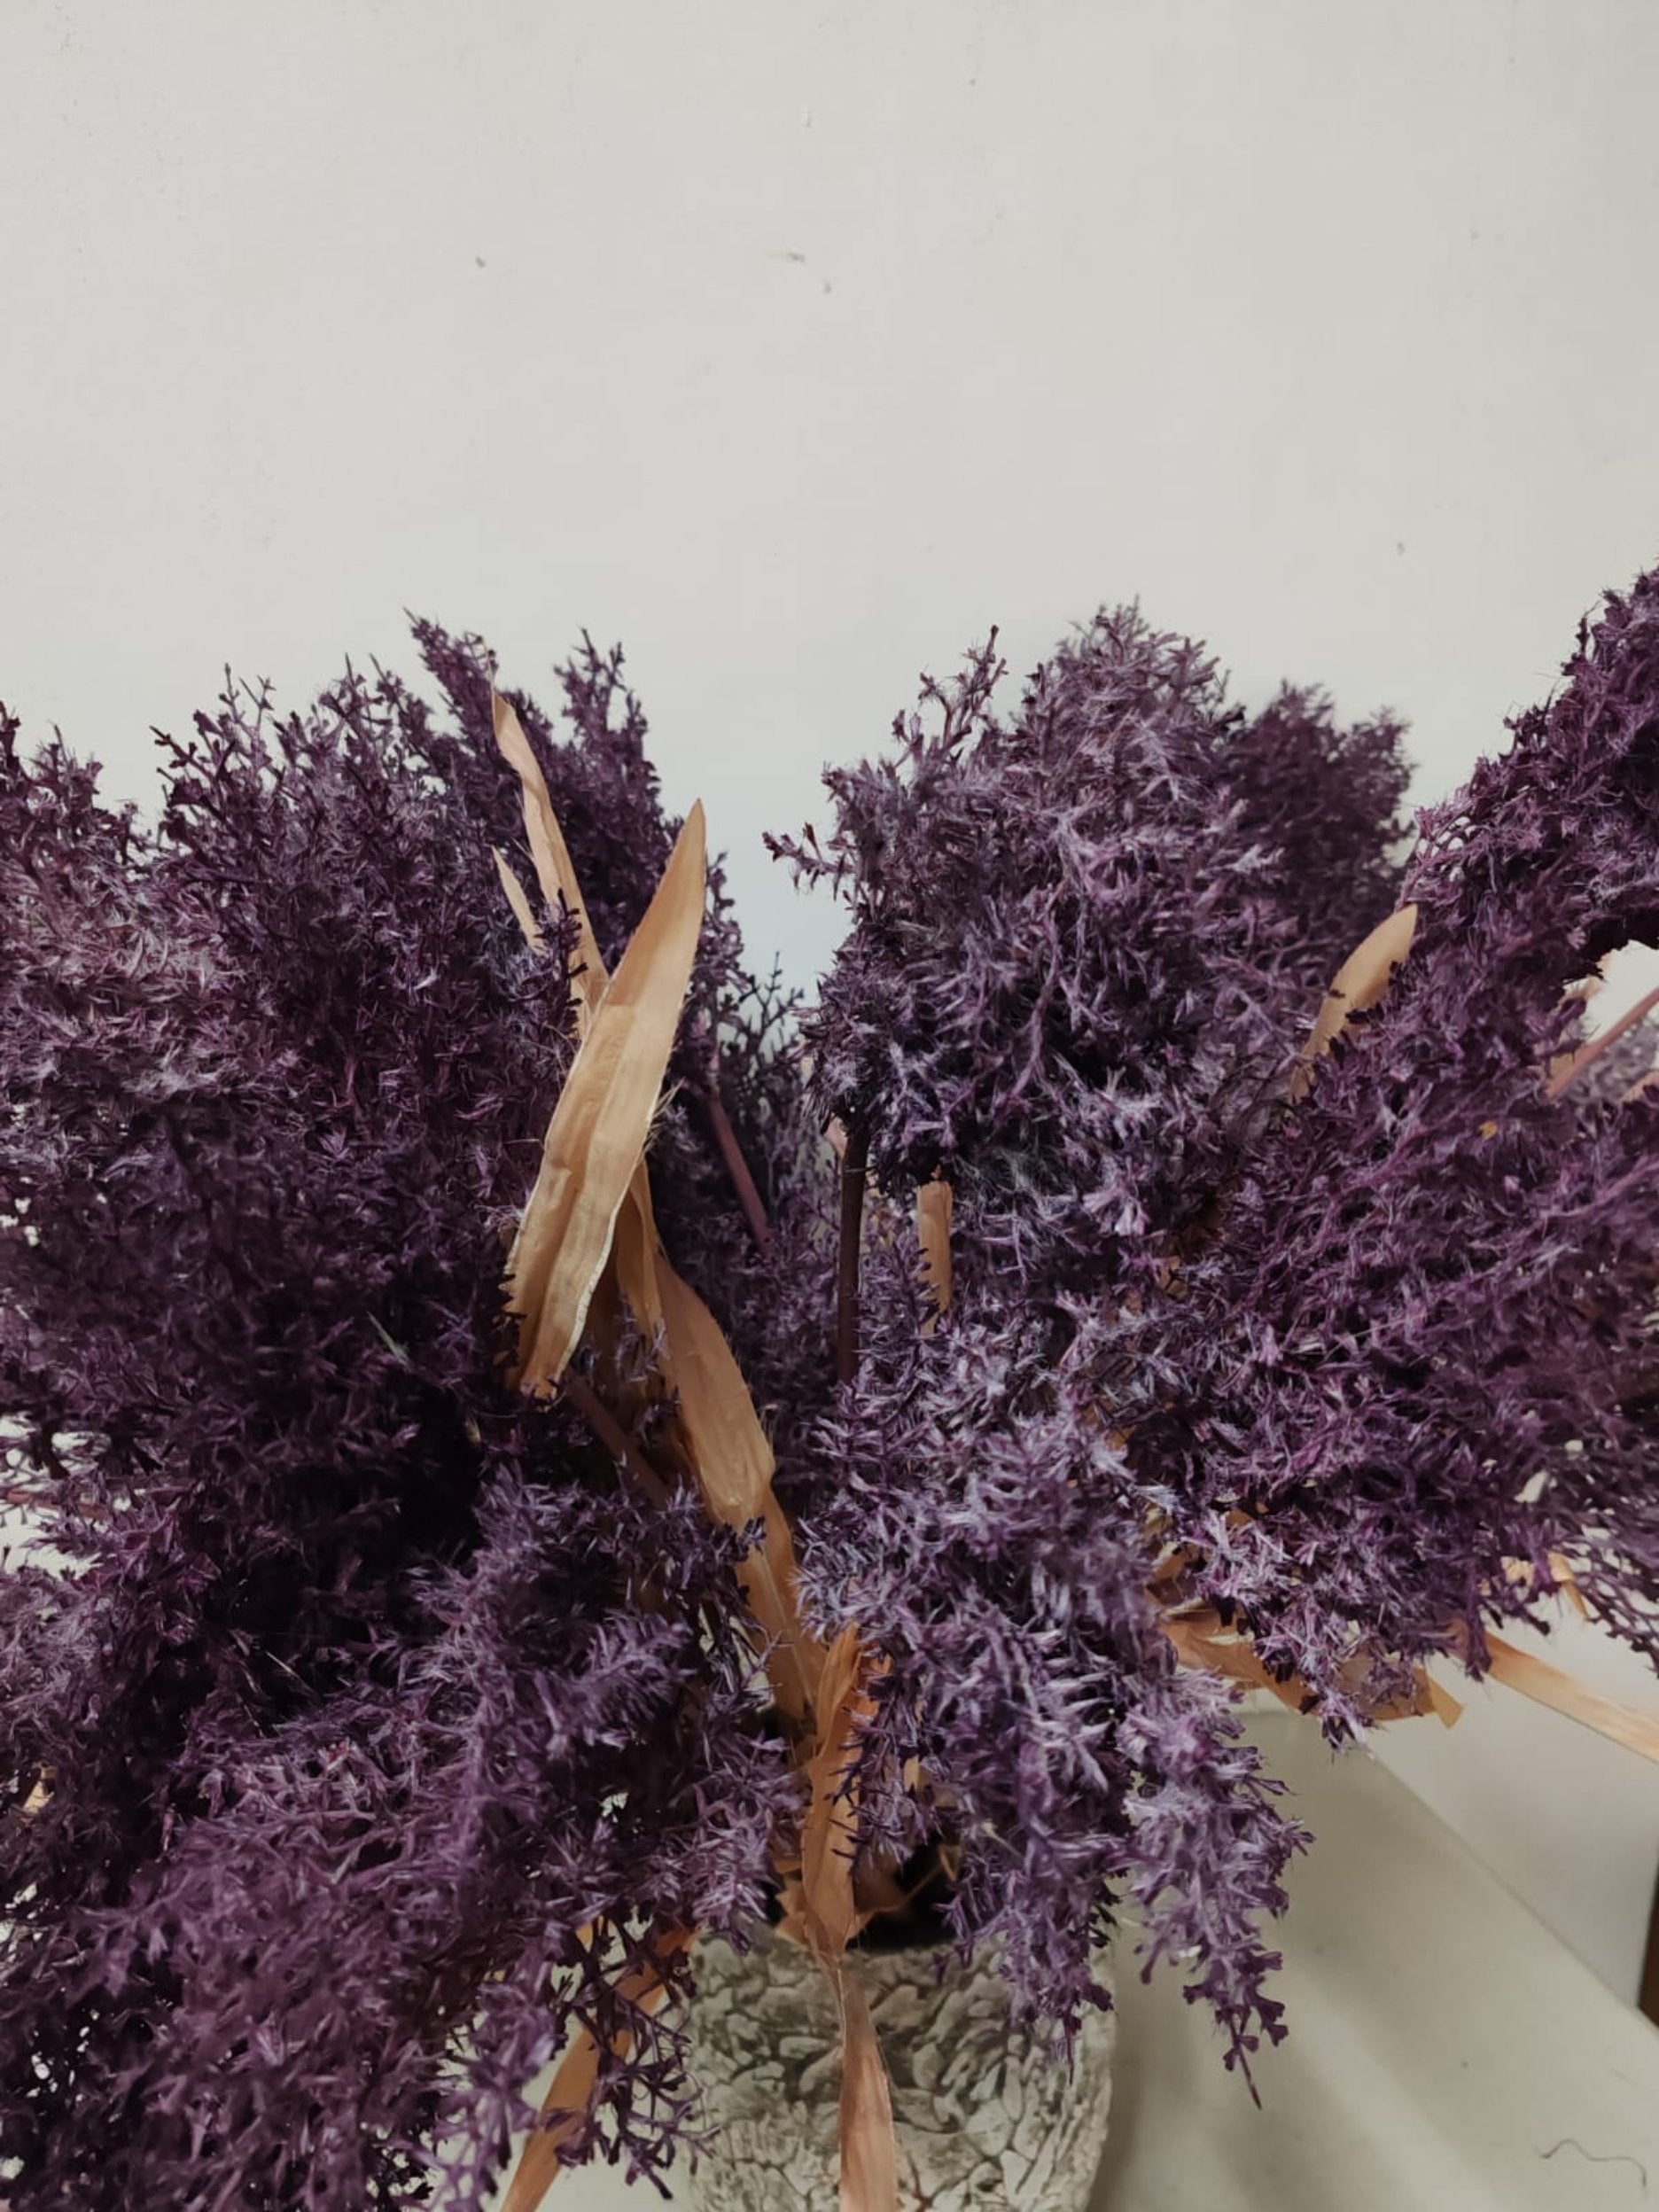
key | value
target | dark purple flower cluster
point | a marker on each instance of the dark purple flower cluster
(1352, 1371)
(350, 1728)
(1422, 1346)
(1084, 943)
(363, 1727)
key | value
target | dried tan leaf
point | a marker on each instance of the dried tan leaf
(734, 1466)
(935, 1204)
(1359, 983)
(1425, 1696)
(635, 1241)
(571, 2093)
(727, 1446)
(556, 872)
(870, 2151)
(822, 1909)
(1563, 1692)
(1567, 1067)
(637, 1256)
(1567, 1583)
(519, 900)
(1521, 1572)
(1200, 1640)
(596, 1137)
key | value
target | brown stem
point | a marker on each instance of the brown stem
(737, 1168)
(611, 1433)
(854, 1166)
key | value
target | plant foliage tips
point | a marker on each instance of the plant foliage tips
(500, 1491)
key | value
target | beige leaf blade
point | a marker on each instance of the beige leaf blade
(596, 1137)
(638, 1257)
(1359, 983)
(822, 1910)
(556, 871)
(1202, 1641)
(935, 1205)
(1572, 1064)
(1550, 1686)
(519, 900)
(870, 2151)
(570, 2091)
(734, 1466)
(728, 1444)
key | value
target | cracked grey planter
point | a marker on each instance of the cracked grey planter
(984, 2118)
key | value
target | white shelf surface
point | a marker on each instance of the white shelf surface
(1447, 2053)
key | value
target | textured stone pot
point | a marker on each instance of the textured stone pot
(984, 2118)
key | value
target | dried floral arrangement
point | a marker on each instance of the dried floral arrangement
(451, 1608)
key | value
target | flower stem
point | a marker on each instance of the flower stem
(737, 1167)
(854, 1167)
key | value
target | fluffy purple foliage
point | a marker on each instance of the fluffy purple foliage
(1074, 932)
(1431, 1298)
(1333, 1367)
(1081, 938)
(349, 1712)
(362, 1726)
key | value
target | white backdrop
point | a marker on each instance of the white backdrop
(798, 345)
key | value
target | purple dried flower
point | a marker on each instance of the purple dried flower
(364, 1733)
(1432, 1292)
(348, 1704)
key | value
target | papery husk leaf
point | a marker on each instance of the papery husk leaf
(1567, 1583)
(1202, 1640)
(821, 1909)
(1360, 983)
(519, 900)
(571, 2093)
(935, 1204)
(596, 1137)
(637, 1256)
(734, 1466)
(1567, 1067)
(869, 2150)
(1563, 1692)
(1524, 1576)
(1426, 1696)
(634, 1247)
(725, 1441)
(556, 871)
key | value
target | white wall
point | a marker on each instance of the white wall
(798, 345)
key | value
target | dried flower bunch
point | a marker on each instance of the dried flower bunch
(527, 1447)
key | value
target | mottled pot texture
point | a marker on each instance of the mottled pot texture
(984, 2118)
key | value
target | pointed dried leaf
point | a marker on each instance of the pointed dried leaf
(870, 2151)
(1202, 1642)
(824, 1912)
(596, 1137)
(1359, 983)
(637, 1258)
(556, 871)
(935, 1202)
(571, 2093)
(727, 1446)
(734, 1466)
(519, 900)
(1550, 1686)
(1571, 1065)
